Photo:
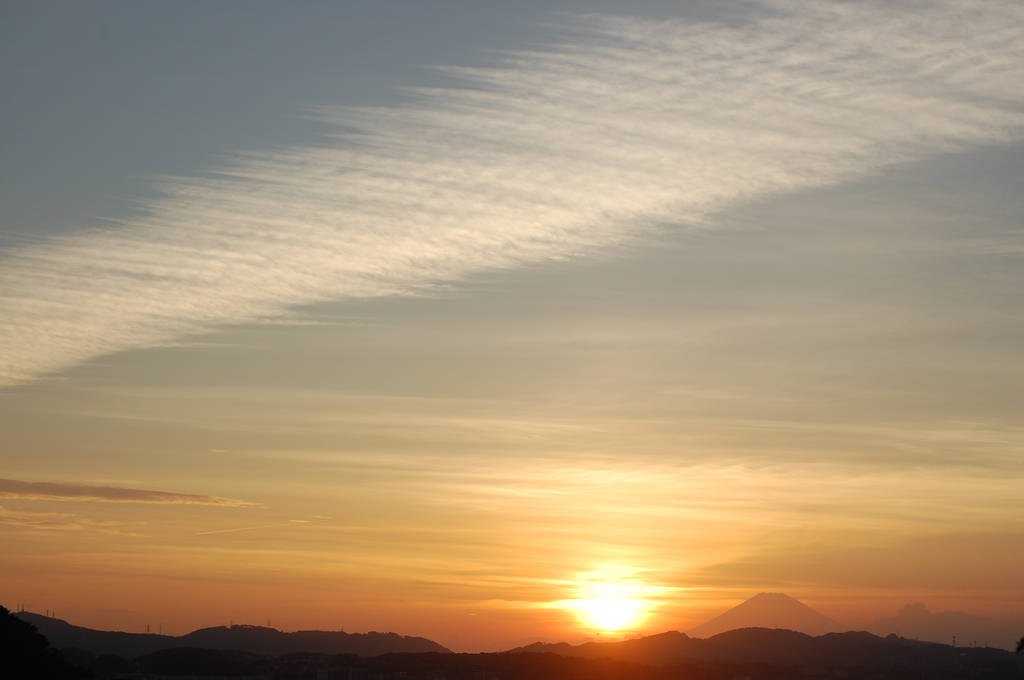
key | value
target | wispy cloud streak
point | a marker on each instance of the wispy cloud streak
(52, 491)
(627, 125)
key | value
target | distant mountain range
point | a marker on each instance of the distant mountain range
(773, 628)
(769, 610)
(776, 654)
(768, 628)
(915, 621)
(766, 646)
(254, 639)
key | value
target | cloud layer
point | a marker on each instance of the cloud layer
(627, 125)
(51, 491)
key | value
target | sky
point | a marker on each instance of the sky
(493, 324)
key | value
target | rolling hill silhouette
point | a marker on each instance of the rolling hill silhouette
(255, 639)
(789, 655)
(767, 646)
(769, 610)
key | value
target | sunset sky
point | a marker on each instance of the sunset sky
(460, 319)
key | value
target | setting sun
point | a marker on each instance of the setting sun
(613, 615)
(611, 599)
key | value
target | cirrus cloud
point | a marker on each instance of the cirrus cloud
(626, 125)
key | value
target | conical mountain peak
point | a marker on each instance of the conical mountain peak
(769, 610)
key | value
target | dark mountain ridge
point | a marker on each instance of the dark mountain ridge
(254, 639)
(765, 645)
(768, 652)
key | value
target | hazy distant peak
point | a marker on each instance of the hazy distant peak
(916, 609)
(769, 610)
(918, 622)
(918, 613)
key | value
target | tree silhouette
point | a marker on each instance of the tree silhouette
(1020, 646)
(26, 654)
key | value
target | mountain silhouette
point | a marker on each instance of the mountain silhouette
(653, 649)
(254, 639)
(916, 621)
(769, 610)
(769, 646)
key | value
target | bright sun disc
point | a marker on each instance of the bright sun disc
(613, 614)
(611, 599)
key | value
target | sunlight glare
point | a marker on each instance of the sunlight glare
(613, 615)
(611, 599)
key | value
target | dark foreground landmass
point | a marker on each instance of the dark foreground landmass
(195, 663)
(749, 653)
